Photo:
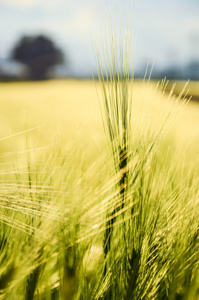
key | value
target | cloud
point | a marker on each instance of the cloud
(18, 3)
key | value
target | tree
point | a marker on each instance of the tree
(38, 53)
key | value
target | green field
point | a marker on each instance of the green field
(72, 225)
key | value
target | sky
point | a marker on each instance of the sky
(167, 32)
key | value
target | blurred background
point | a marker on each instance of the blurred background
(42, 39)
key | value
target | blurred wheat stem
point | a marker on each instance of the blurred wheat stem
(113, 58)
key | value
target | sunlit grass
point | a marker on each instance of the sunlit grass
(59, 195)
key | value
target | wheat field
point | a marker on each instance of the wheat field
(72, 226)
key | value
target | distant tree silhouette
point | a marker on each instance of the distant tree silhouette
(39, 53)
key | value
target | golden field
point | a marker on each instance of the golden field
(84, 216)
(72, 109)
